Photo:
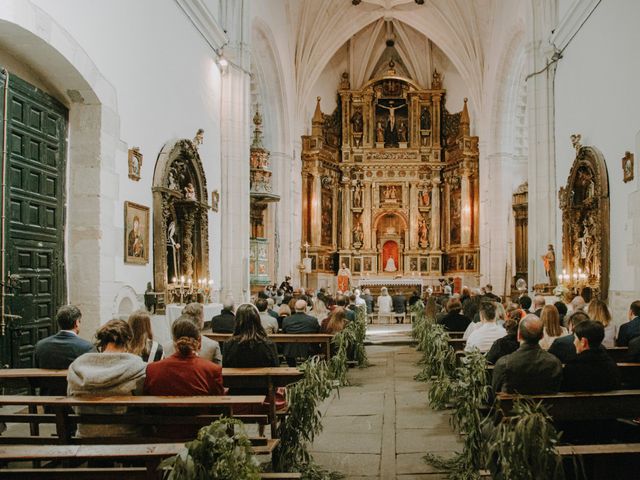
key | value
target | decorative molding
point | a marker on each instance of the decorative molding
(204, 20)
(576, 15)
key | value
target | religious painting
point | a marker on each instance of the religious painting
(471, 264)
(413, 264)
(454, 216)
(326, 205)
(346, 261)
(424, 264)
(135, 163)
(357, 265)
(452, 263)
(390, 194)
(390, 256)
(627, 167)
(215, 200)
(367, 264)
(314, 261)
(136, 233)
(424, 197)
(435, 264)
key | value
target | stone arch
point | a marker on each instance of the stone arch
(125, 303)
(179, 165)
(33, 36)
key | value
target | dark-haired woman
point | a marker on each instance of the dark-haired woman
(249, 347)
(111, 372)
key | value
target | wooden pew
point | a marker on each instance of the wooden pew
(313, 338)
(582, 405)
(148, 455)
(268, 378)
(457, 344)
(65, 420)
(601, 462)
(454, 335)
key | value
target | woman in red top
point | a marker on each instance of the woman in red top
(183, 373)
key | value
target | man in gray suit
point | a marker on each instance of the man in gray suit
(299, 322)
(58, 351)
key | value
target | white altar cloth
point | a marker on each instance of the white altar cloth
(390, 281)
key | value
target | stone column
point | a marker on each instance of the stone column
(234, 205)
(435, 212)
(543, 198)
(465, 200)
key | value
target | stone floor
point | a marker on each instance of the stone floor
(381, 426)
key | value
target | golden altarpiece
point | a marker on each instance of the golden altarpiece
(390, 184)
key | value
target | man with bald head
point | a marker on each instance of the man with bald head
(298, 323)
(530, 369)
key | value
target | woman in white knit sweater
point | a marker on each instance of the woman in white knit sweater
(112, 372)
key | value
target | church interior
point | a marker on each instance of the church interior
(431, 185)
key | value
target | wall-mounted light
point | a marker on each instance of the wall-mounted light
(223, 64)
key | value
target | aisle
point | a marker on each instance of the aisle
(381, 427)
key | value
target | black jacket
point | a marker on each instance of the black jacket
(591, 371)
(399, 303)
(299, 323)
(563, 348)
(628, 331)
(503, 346)
(57, 352)
(529, 370)
(249, 355)
(223, 323)
(634, 350)
(455, 321)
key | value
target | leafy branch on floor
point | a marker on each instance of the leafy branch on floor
(303, 421)
(215, 455)
(522, 446)
(438, 359)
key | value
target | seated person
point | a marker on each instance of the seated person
(335, 322)
(283, 312)
(454, 321)
(343, 302)
(552, 327)
(488, 332)
(530, 369)
(249, 347)
(209, 349)
(142, 342)
(399, 302)
(112, 372)
(271, 304)
(563, 347)
(592, 370)
(183, 373)
(509, 343)
(631, 329)
(634, 350)
(269, 323)
(58, 351)
(225, 322)
(299, 323)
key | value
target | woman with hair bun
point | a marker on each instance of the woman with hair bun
(114, 371)
(184, 372)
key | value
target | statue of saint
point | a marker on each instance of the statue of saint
(424, 197)
(402, 132)
(391, 265)
(549, 260)
(356, 121)
(189, 192)
(358, 233)
(425, 119)
(344, 276)
(423, 232)
(379, 133)
(199, 138)
(357, 196)
(391, 130)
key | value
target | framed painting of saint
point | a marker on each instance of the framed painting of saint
(136, 233)
(135, 163)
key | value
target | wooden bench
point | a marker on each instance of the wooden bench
(601, 462)
(149, 456)
(454, 335)
(65, 419)
(269, 378)
(312, 338)
(457, 344)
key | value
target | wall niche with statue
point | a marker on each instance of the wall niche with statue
(180, 217)
(585, 222)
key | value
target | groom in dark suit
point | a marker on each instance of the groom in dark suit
(59, 350)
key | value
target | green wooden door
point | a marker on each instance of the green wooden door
(36, 132)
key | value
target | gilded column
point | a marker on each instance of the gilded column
(366, 220)
(346, 214)
(413, 217)
(316, 214)
(465, 214)
(435, 212)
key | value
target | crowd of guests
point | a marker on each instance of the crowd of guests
(529, 341)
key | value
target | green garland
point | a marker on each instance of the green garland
(215, 455)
